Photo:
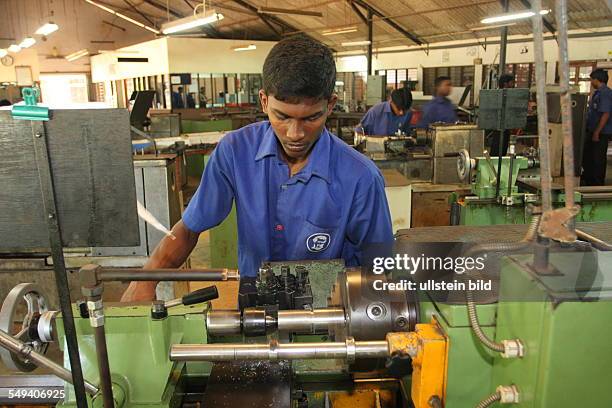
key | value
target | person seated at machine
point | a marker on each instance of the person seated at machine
(440, 108)
(300, 192)
(389, 117)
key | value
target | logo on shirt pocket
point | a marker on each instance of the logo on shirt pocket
(318, 242)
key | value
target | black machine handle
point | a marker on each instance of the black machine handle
(200, 296)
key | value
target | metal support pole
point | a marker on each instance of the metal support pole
(45, 176)
(566, 107)
(128, 274)
(538, 45)
(18, 347)
(370, 38)
(95, 307)
(503, 43)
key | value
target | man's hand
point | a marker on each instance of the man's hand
(170, 253)
(139, 292)
(595, 137)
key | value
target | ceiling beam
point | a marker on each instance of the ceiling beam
(390, 22)
(546, 23)
(358, 12)
(129, 3)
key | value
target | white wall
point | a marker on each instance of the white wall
(202, 55)
(27, 57)
(105, 66)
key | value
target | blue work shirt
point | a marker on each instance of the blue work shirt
(600, 103)
(439, 109)
(380, 120)
(330, 209)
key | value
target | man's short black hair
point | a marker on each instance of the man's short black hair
(505, 79)
(402, 98)
(600, 74)
(5, 102)
(299, 67)
(440, 79)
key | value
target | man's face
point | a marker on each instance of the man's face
(297, 125)
(445, 88)
(595, 83)
(396, 111)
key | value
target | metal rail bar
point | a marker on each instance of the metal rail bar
(167, 274)
(20, 348)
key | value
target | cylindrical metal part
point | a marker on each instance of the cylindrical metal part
(254, 322)
(309, 321)
(566, 105)
(275, 351)
(131, 274)
(18, 347)
(543, 141)
(223, 322)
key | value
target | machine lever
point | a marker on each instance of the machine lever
(195, 297)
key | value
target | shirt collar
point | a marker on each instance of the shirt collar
(318, 160)
(387, 107)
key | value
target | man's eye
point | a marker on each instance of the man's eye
(313, 118)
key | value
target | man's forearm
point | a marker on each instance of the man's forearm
(169, 253)
(602, 122)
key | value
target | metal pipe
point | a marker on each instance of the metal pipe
(167, 274)
(566, 107)
(22, 349)
(502, 47)
(597, 243)
(273, 351)
(538, 45)
(310, 321)
(106, 384)
(370, 39)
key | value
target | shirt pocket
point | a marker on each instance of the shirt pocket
(319, 239)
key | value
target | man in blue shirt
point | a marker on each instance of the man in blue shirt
(389, 117)
(300, 192)
(599, 131)
(440, 108)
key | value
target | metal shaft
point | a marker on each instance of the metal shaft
(310, 321)
(538, 45)
(22, 349)
(349, 350)
(566, 106)
(226, 322)
(106, 384)
(128, 274)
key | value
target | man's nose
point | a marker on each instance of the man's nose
(295, 130)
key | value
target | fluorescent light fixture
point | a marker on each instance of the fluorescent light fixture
(27, 42)
(76, 55)
(123, 16)
(245, 47)
(47, 29)
(276, 10)
(355, 43)
(14, 48)
(3, 53)
(341, 30)
(491, 27)
(188, 23)
(512, 16)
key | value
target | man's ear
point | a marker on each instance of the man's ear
(263, 99)
(331, 103)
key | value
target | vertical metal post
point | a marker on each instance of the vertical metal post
(370, 38)
(503, 43)
(566, 107)
(538, 45)
(45, 176)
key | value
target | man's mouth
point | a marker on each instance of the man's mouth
(296, 147)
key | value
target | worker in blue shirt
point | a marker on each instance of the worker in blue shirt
(440, 108)
(599, 131)
(300, 192)
(389, 117)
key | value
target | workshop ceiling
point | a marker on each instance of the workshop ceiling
(396, 22)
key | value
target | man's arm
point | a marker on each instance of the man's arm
(365, 126)
(169, 253)
(602, 122)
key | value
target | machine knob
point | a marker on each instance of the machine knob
(201, 295)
